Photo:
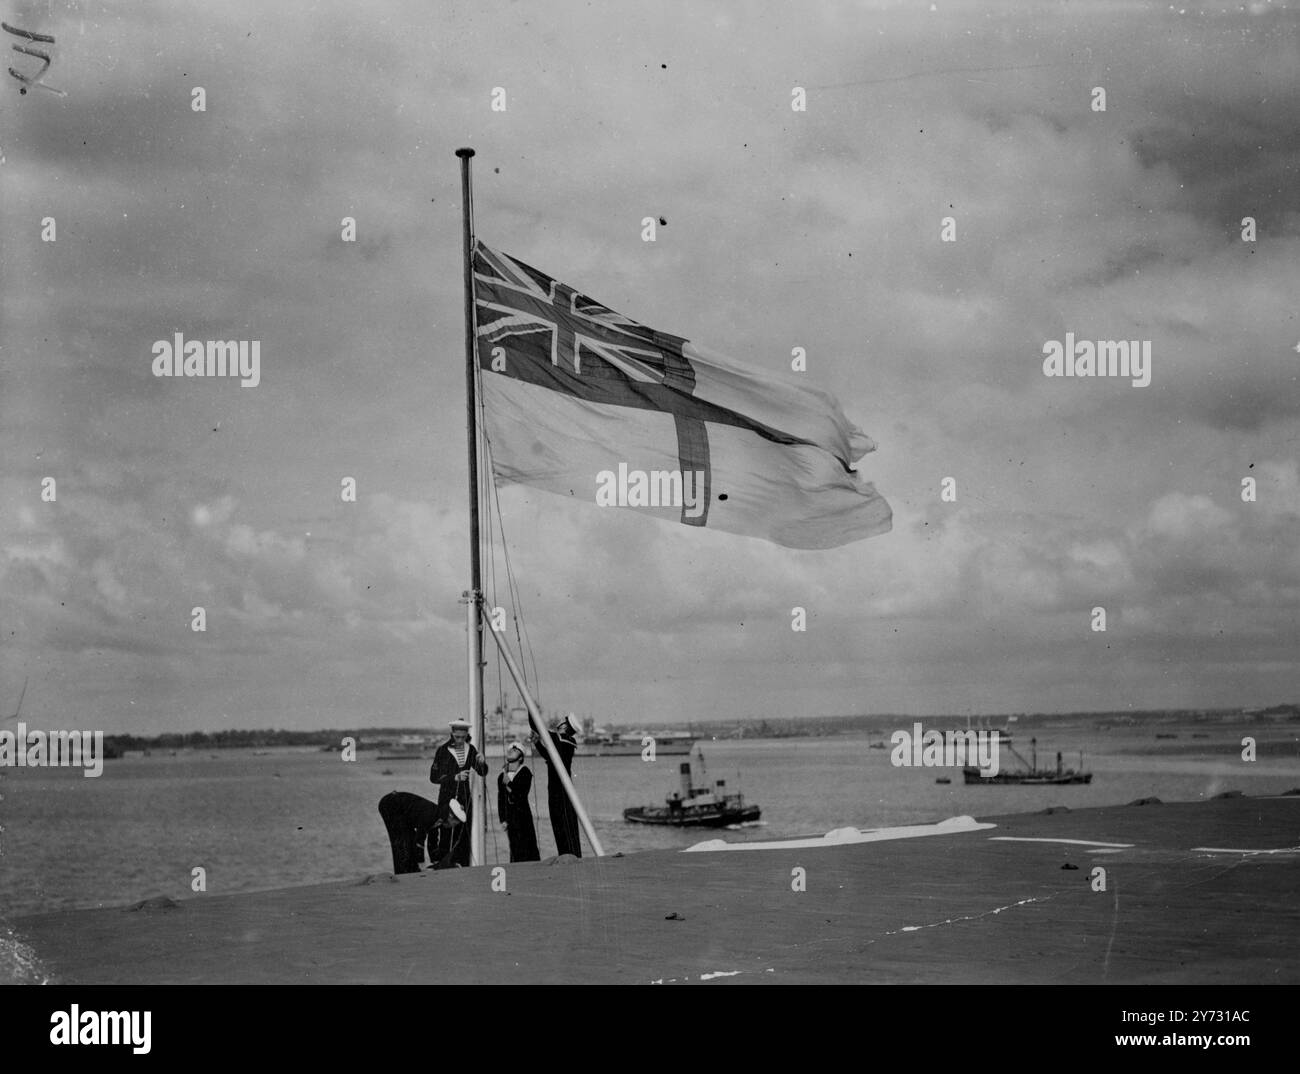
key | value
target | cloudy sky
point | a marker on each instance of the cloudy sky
(818, 229)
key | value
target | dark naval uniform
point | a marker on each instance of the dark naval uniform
(564, 820)
(453, 841)
(410, 823)
(516, 814)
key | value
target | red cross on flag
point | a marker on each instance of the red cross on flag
(585, 402)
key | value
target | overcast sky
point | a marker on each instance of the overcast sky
(818, 229)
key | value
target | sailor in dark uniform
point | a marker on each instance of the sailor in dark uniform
(410, 821)
(513, 785)
(452, 764)
(564, 820)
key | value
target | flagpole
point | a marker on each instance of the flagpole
(474, 598)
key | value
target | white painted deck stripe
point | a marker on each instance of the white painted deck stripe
(1075, 842)
(846, 836)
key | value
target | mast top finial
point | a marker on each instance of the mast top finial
(465, 152)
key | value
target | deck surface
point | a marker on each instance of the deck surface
(990, 906)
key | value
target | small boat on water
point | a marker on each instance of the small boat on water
(1031, 774)
(696, 807)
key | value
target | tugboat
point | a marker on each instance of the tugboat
(696, 807)
(1031, 773)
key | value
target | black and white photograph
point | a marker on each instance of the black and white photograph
(651, 493)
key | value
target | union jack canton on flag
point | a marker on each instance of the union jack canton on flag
(573, 390)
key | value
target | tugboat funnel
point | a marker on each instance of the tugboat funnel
(686, 779)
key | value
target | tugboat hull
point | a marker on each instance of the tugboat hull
(688, 817)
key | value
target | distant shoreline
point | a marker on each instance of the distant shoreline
(1023, 724)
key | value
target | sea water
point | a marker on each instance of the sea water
(249, 821)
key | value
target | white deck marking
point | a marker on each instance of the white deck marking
(847, 836)
(1074, 842)
(1228, 850)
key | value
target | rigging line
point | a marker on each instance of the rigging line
(481, 446)
(503, 707)
(19, 709)
(496, 846)
(516, 610)
(492, 584)
(502, 710)
(489, 530)
(516, 599)
(537, 808)
(524, 640)
(527, 639)
(487, 482)
(521, 639)
(491, 820)
(516, 596)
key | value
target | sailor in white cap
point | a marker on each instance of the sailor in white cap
(513, 785)
(452, 764)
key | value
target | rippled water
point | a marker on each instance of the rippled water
(300, 817)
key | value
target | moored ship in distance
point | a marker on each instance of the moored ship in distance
(670, 744)
(1031, 773)
(598, 742)
(696, 807)
(1003, 732)
(1045, 777)
(408, 748)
